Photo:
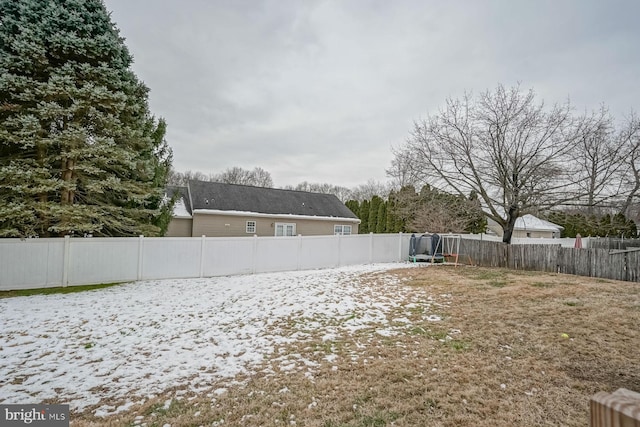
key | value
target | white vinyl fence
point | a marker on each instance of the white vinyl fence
(41, 263)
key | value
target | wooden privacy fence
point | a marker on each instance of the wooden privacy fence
(613, 243)
(604, 263)
(618, 409)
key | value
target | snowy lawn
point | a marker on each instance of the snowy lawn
(109, 349)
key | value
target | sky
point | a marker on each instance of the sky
(322, 91)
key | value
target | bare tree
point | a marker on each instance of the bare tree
(598, 161)
(261, 178)
(503, 146)
(182, 178)
(341, 193)
(402, 170)
(369, 189)
(435, 211)
(630, 173)
(236, 175)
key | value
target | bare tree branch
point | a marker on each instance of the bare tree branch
(502, 145)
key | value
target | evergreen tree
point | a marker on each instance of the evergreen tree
(392, 219)
(604, 226)
(591, 225)
(79, 150)
(354, 206)
(373, 213)
(632, 229)
(364, 217)
(477, 220)
(381, 222)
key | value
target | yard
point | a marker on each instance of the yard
(375, 345)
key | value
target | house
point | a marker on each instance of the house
(528, 226)
(216, 209)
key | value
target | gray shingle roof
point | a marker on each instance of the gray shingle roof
(232, 197)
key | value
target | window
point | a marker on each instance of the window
(251, 227)
(342, 229)
(285, 229)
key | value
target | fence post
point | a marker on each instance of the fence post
(400, 247)
(626, 266)
(254, 254)
(299, 251)
(140, 255)
(370, 248)
(65, 261)
(202, 241)
(620, 408)
(339, 251)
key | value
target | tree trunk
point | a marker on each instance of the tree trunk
(43, 198)
(633, 192)
(509, 226)
(67, 175)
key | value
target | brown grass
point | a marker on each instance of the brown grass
(497, 358)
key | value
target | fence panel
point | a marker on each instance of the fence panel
(170, 257)
(554, 258)
(276, 254)
(110, 260)
(534, 257)
(606, 265)
(574, 261)
(385, 248)
(356, 249)
(633, 266)
(319, 252)
(228, 256)
(483, 253)
(31, 263)
(613, 243)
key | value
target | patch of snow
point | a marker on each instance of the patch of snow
(331, 358)
(287, 216)
(132, 341)
(533, 223)
(180, 209)
(386, 332)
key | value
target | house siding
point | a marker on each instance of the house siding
(233, 226)
(179, 227)
(520, 233)
(523, 233)
(535, 234)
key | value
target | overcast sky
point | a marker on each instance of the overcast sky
(320, 91)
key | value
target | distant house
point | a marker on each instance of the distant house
(528, 226)
(216, 209)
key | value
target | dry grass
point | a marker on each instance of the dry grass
(497, 358)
